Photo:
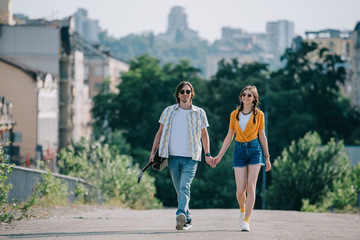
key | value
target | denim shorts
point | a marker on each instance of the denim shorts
(247, 153)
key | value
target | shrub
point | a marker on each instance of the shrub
(5, 170)
(51, 191)
(306, 170)
(113, 175)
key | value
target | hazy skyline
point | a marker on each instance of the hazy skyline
(120, 17)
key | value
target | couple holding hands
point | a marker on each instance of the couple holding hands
(182, 133)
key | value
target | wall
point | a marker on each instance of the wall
(24, 180)
(36, 46)
(19, 88)
(353, 153)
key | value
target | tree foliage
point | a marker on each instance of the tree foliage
(306, 96)
(302, 96)
(306, 170)
(113, 175)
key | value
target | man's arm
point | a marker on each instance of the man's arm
(156, 142)
(206, 145)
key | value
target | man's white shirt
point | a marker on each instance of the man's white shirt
(179, 144)
(196, 121)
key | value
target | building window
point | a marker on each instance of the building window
(331, 46)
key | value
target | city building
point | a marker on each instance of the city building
(87, 28)
(6, 128)
(34, 95)
(212, 60)
(80, 67)
(337, 42)
(50, 47)
(242, 40)
(101, 65)
(178, 30)
(6, 15)
(355, 59)
(237, 44)
(279, 36)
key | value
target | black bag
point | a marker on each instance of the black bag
(160, 162)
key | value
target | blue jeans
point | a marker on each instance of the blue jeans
(182, 171)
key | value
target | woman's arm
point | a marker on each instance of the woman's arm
(228, 139)
(264, 145)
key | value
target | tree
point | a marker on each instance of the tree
(305, 96)
(306, 170)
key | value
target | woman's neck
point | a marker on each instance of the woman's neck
(247, 108)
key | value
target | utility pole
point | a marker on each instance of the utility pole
(267, 78)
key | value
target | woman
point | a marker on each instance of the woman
(248, 122)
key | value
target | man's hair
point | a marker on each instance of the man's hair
(180, 86)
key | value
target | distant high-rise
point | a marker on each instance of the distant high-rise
(279, 36)
(87, 28)
(177, 20)
(355, 93)
(178, 30)
(6, 15)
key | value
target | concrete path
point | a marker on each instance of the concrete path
(116, 223)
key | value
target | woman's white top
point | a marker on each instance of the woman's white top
(243, 120)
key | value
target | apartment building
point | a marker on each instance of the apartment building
(50, 47)
(279, 36)
(34, 96)
(337, 42)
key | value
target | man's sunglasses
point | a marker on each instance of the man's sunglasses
(185, 91)
(244, 95)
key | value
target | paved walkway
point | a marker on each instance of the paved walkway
(117, 223)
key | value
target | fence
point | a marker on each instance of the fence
(24, 179)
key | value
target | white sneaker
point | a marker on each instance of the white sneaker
(180, 221)
(242, 216)
(245, 226)
(187, 226)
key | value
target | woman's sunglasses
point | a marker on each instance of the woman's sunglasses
(187, 91)
(244, 95)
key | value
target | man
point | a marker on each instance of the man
(182, 126)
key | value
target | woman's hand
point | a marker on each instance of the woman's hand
(217, 159)
(268, 165)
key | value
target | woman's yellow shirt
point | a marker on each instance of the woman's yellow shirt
(251, 130)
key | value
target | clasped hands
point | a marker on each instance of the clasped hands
(212, 161)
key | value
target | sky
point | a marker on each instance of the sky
(123, 17)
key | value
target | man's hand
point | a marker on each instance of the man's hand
(152, 156)
(209, 160)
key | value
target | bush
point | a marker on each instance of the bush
(5, 170)
(344, 195)
(113, 175)
(51, 191)
(306, 170)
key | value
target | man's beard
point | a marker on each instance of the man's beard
(185, 100)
